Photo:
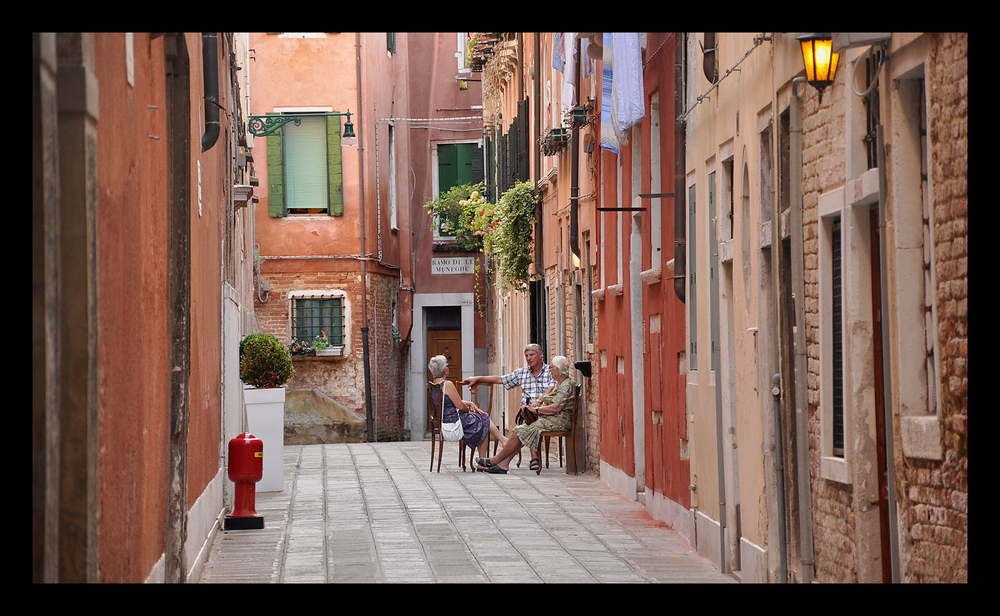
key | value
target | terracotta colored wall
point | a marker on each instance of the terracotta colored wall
(211, 188)
(615, 315)
(133, 345)
(667, 467)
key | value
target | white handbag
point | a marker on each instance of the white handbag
(450, 431)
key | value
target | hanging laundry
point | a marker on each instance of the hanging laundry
(609, 139)
(569, 75)
(586, 62)
(558, 52)
(627, 87)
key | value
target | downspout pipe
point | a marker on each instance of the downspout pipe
(680, 145)
(210, 68)
(799, 365)
(574, 189)
(369, 416)
(538, 148)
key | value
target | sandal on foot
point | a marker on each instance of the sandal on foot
(496, 470)
(483, 463)
(535, 464)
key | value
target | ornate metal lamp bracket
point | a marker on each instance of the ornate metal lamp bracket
(264, 125)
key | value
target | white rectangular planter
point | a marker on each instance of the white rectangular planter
(266, 421)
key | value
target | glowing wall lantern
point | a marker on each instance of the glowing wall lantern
(820, 59)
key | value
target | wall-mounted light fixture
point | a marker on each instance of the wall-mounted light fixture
(820, 60)
(264, 125)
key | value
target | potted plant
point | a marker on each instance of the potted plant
(265, 367)
(301, 348)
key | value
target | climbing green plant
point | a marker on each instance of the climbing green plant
(453, 211)
(507, 243)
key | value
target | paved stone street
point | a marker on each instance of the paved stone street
(373, 513)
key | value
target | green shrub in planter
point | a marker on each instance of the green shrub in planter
(264, 361)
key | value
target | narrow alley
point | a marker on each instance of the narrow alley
(373, 513)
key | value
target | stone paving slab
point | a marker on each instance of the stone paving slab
(374, 513)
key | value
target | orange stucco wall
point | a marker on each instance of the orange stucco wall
(133, 341)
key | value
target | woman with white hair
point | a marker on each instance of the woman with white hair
(476, 424)
(554, 410)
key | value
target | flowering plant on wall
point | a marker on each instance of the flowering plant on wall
(452, 213)
(299, 348)
(508, 242)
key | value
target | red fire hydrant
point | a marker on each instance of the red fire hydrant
(246, 467)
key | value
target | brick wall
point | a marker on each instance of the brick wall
(823, 152)
(343, 378)
(935, 493)
(932, 496)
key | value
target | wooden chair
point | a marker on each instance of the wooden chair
(562, 435)
(489, 411)
(434, 427)
(434, 424)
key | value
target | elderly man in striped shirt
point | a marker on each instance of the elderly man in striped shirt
(534, 379)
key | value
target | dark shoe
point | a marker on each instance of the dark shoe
(535, 464)
(496, 470)
(483, 463)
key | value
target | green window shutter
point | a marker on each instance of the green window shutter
(447, 168)
(458, 164)
(334, 166)
(275, 176)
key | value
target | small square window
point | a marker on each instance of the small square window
(318, 316)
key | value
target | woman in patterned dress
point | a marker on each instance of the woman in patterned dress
(476, 424)
(554, 410)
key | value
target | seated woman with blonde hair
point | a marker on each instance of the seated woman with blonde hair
(554, 410)
(476, 424)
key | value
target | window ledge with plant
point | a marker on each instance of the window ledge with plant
(502, 230)
(319, 347)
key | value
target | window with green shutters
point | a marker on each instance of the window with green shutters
(458, 164)
(304, 167)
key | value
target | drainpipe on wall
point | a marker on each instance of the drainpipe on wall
(799, 366)
(680, 144)
(210, 68)
(369, 423)
(538, 147)
(574, 188)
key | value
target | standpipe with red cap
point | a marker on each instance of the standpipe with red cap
(246, 468)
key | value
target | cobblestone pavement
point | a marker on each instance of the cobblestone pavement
(373, 513)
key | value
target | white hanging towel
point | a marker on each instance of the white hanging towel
(627, 90)
(569, 75)
(609, 139)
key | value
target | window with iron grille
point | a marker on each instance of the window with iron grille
(838, 338)
(871, 102)
(318, 316)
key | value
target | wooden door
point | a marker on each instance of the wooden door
(449, 344)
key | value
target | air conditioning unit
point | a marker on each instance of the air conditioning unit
(847, 40)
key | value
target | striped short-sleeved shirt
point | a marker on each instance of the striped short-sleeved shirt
(532, 387)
